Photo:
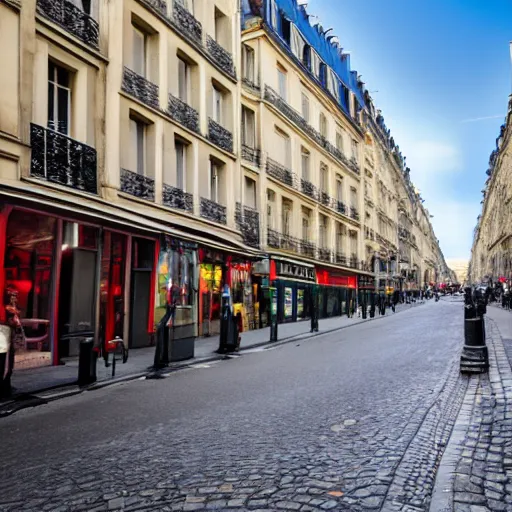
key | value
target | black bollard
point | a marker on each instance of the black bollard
(86, 363)
(474, 357)
(273, 315)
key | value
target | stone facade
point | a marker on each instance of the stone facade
(491, 253)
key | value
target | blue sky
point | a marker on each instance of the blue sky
(437, 66)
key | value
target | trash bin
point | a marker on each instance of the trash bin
(86, 362)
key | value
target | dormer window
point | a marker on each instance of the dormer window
(285, 29)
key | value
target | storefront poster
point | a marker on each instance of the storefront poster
(300, 303)
(288, 302)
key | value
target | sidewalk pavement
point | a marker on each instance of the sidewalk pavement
(140, 360)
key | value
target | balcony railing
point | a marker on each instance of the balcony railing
(280, 172)
(354, 165)
(293, 115)
(186, 24)
(251, 154)
(221, 56)
(325, 254)
(251, 85)
(248, 221)
(72, 19)
(141, 88)
(282, 241)
(157, 5)
(353, 263)
(60, 159)
(177, 198)
(340, 207)
(325, 199)
(307, 248)
(220, 136)
(308, 189)
(213, 211)
(183, 113)
(354, 213)
(137, 185)
(341, 259)
(273, 239)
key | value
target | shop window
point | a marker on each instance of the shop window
(28, 268)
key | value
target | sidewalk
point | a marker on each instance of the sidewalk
(141, 360)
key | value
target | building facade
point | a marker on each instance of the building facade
(152, 152)
(491, 253)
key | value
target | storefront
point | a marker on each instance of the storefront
(366, 289)
(72, 279)
(336, 292)
(177, 286)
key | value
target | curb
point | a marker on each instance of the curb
(51, 395)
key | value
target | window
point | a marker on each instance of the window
(282, 80)
(353, 197)
(324, 178)
(59, 98)
(323, 125)
(138, 138)
(353, 244)
(271, 198)
(285, 29)
(248, 63)
(339, 188)
(287, 217)
(305, 156)
(282, 148)
(250, 192)
(305, 107)
(339, 141)
(354, 149)
(217, 105)
(181, 164)
(297, 42)
(305, 227)
(323, 232)
(306, 56)
(140, 44)
(214, 182)
(341, 231)
(222, 29)
(248, 127)
(183, 80)
(323, 74)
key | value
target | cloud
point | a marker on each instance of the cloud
(481, 119)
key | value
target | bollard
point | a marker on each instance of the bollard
(314, 309)
(273, 315)
(474, 357)
(86, 363)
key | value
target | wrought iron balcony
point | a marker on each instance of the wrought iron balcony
(273, 238)
(183, 113)
(137, 185)
(354, 165)
(213, 211)
(307, 248)
(248, 221)
(280, 172)
(72, 19)
(289, 243)
(177, 198)
(353, 263)
(335, 152)
(325, 199)
(252, 155)
(220, 136)
(341, 259)
(141, 88)
(251, 86)
(60, 159)
(354, 213)
(308, 188)
(159, 6)
(222, 57)
(325, 254)
(186, 24)
(340, 207)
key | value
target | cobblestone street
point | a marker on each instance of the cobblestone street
(359, 419)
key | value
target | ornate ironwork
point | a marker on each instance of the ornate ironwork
(341, 259)
(354, 165)
(220, 136)
(140, 88)
(137, 185)
(340, 207)
(183, 113)
(213, 211)
(159, 6)
(324, 254)
(354, 213)
(353, 263)
(72, 19)
(289, 243)
(280, 172)
(252, 155)
(177, 198)
(186, 24)
(222, 57)
(325, 199)
(307, 248)
(62, 160)
(273, 238)
(248, 221)
(308, 188)
(251, 86)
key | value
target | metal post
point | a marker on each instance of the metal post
(273, 314)
(314, 309)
